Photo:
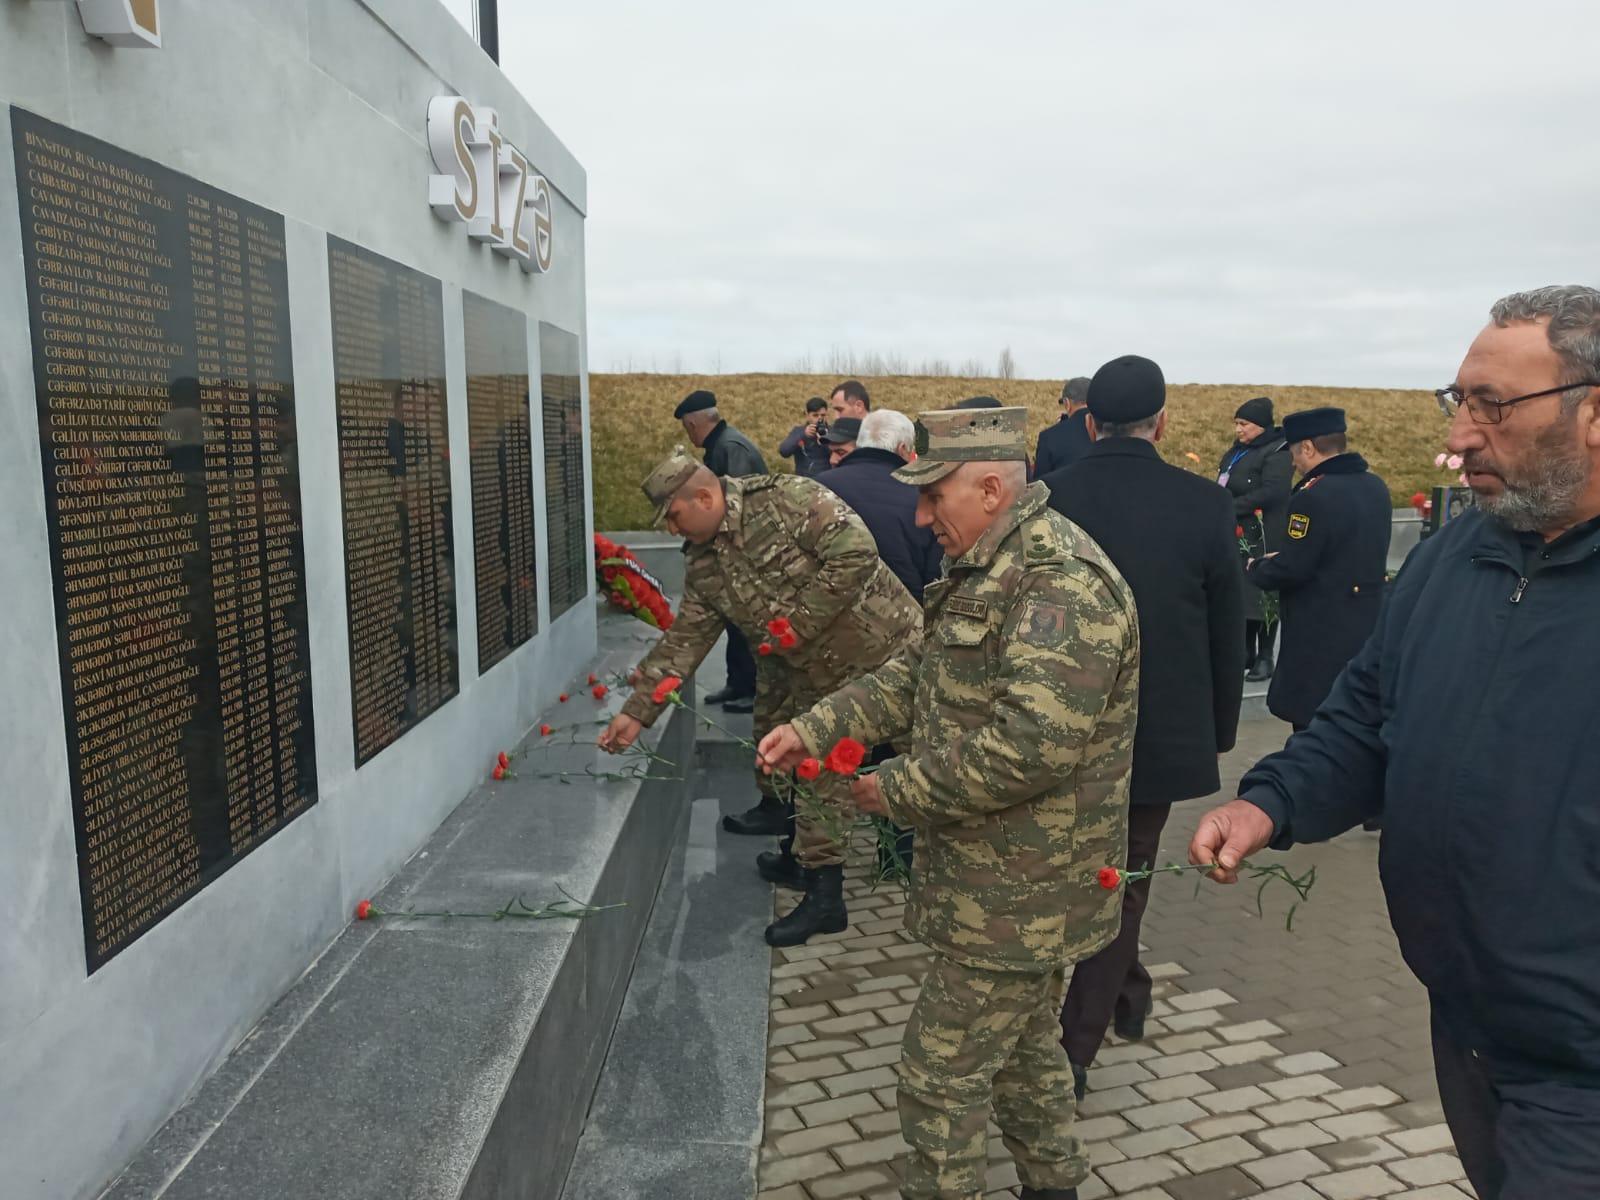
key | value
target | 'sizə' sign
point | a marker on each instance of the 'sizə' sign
(487, 183)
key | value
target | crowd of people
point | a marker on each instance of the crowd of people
(1049, 651)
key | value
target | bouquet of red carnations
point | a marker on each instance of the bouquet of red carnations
(628, 585)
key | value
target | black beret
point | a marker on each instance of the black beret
(1257, 412)
(1126, 390)
(1313, 423)
(695, 402)
(845, 429)
(979, 402)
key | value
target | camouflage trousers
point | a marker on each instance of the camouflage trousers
(977, 1038)
(782, 695)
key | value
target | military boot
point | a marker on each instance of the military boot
(781, 868)
(821, 910)
(1262, 670)
(767, 819)
(1029, 1193)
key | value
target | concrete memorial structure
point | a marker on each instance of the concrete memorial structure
(288, 557)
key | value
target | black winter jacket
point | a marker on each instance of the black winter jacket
(863, 480)
(1062, 444)
(1468, 720)
(1258, 475)
(1329, 579)
(1170, 533)
(729, 452)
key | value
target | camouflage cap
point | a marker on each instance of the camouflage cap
(952, 436)
(662, 484)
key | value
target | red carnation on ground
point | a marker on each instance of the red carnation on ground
(665, 689)
(544, 731)
(499, 773)
(504, 760)
(562, 697)
(599, 691)
(364, 910)
(778, 626)
(764, 649)
(846, 757)
(787, 639)
(1109, 877)
(594, 679)
(809, 768)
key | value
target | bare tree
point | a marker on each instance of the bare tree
(1007, 368)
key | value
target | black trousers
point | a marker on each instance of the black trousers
(1259, 637)
(1113, 980)
(741, 663)
(1518, 1139)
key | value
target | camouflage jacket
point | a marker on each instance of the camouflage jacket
(788, 547)
(1020, 702)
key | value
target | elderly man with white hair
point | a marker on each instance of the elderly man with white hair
(864, 479)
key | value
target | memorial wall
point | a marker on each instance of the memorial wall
(289, 552)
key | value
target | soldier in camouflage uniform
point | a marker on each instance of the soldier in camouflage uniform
(760, 548)
(1020, 702)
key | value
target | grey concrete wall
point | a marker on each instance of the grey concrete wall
(315, 109)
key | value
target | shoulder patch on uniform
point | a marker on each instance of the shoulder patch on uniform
(1042, 624)
(967, 606)
(1299, 525)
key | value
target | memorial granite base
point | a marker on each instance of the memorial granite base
(448, 1058)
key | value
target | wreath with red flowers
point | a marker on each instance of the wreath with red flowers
(628, 586)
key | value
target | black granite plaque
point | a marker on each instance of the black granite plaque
(394, 471)
(571, 555)
(160, 317)
(502, 477)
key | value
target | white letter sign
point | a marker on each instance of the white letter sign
(486, 183)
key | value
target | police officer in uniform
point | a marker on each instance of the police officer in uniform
(1329, 575)
(761, 548)
(1017, 713)
(728, 453)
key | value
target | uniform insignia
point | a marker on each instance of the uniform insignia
(1043, 625)
(967, 606)
(1299, 525)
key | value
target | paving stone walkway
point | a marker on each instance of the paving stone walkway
(1285, 1064)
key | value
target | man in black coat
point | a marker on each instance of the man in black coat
(1068, 439)
(864, 480)
(1258, 473)
(1329, 575)
(728, 453)
(1171, 534)
(1468, 721)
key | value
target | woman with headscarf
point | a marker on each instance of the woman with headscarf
(1257, 471)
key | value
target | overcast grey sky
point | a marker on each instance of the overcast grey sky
(1245, 191)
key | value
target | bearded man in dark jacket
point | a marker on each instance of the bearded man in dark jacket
(1468, 722)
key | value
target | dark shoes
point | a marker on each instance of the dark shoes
(767, 819)
(821, 910)
(721, 696)
(1080, 1081)
(1261, 670)
(1130, 1026)
(1029, 1193)
(739, 704)
(782, 869)
(1372, 824)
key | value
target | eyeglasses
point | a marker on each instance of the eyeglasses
(1491, 412)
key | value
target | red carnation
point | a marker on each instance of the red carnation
(504, 760)
(599, 691)
(809, 768)
(562, 697)
(364, 910)
(544, 731)
(594, 679)
(778, 626)
(1418, 500)
(1258, 512)
(764, 649)
(1238, 531)
(1109, 877)
(846, 757)
(787, 639)
(665, 689)
(499, 773)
